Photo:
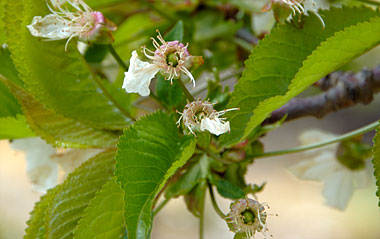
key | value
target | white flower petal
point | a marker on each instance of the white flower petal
(338, 189)
(361, 178)
(215, 126)
(317, 168)
(139, 75)
(41, 170)
(51, 26)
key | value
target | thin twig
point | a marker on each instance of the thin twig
(213, 202)
(117, 57)
(189, 96)
(348, 135)
(160, 206)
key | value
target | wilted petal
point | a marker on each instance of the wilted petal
(139, 75)
(338, 189)
(41, 170)
(215, 126)
(51, 26)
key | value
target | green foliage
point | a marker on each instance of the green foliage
(176, 33)
(227, 189)
(376, 160)
(170, 94)
(194, 175)
(104, 216)
(67, 205)
(290, 59)
(149, 153)
(35, 229)
(14, 128)
(58, 212)
(57, 78)
(9, 106)
(210, 25)
(56, 129)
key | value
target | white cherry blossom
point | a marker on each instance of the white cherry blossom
(201, 116)
(169, 58)
(339, 181)
(83, 22)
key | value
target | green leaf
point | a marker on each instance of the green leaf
(35, 229)
(212, 24)
(149, 152)
(227, 189)
(57, 78)
(376, 160)
(176, 33)
(69, 202)
(14, 128)
(170, 94)
(7, 68)
(195, 198)
(104, 216)
(290, 59)
(186, 182)
(56, 129)
(9, 105)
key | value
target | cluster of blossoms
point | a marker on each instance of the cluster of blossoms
(339, 178)
(201, 116)
(83, 22)
(169, 58)
(282, 9)
(246, 217)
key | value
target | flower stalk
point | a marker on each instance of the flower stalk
(214, 203)
(116, 56)
(348, 135)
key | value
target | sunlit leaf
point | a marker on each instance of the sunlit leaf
(149, 152)
(68, 203)
(290, 59)
(57, 78)
(56, 129)
(104, 216)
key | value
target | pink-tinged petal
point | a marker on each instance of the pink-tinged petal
(139, 76)
(215, 126)
(338, 189)
(51, 26)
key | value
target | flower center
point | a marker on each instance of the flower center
(248, 216)
(172, 59)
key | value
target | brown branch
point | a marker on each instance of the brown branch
(341, 90)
